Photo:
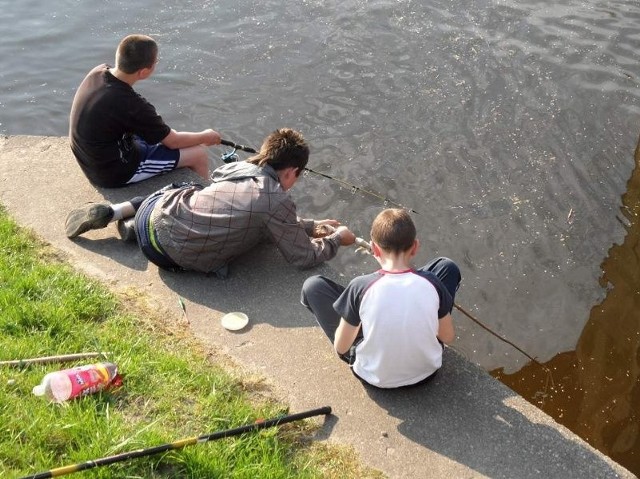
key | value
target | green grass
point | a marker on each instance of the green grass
(173, 389)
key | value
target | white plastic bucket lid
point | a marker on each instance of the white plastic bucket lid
(234, 321)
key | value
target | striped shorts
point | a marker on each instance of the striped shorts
(156, 160)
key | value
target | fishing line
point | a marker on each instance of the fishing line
(510, 343)
(501, 338)
(231, 156)
(364, 245)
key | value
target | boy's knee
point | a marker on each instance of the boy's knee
(311, 284)
(452, 271)
(452, 267)
(201, 155)
(194, 155)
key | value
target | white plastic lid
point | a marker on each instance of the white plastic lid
(234, 321)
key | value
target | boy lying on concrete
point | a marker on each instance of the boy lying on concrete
(191, 227)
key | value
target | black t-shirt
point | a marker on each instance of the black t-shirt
(105, 115)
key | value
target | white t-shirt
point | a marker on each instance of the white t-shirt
(399, 313)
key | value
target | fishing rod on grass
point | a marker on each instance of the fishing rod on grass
(231, 156)
(125, 456)
(61, 358)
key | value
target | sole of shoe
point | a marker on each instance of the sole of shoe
(92, 216)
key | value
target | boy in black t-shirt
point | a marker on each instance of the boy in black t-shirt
(116, 135)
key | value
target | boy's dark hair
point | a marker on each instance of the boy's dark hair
(393, 230)
(282, 149)
(136, 52)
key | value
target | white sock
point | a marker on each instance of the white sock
(122, 210)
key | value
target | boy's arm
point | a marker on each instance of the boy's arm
(446, 333)
(291, 238)
(345, 336)
(185, 139)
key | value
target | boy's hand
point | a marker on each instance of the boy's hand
(211, 137)
(322, 228)
(347, 238)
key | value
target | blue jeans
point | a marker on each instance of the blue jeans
(145, 231)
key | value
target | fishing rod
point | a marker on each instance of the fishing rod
(125, 456)
(365, 246)
(231, 156)
(501, 338)
(20, 363)
(354, 189)
(237, 146)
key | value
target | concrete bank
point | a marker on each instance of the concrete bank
(463, 424)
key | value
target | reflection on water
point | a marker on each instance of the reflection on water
(595, 390)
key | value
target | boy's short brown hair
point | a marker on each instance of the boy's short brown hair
(136, 52)
(282, 149)
(393, 230)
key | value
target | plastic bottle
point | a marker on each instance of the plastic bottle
(62, 385)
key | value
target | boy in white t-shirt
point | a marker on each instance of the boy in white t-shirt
(391, 325)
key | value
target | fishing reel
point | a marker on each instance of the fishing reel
(230, 156)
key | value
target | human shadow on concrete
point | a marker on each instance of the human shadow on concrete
(261, 284)
(146, 187)
(456, 416)
(125, 253)
(262, 274)
(259, 275)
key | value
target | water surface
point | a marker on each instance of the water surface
(508, 126)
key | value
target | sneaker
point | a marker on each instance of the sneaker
(92, 216)
(126, 229)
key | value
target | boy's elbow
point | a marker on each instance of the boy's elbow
(447, 339)
(341, 344)
(338, 350)
(446, 331)
(447, 336)
(171, 140)
(338, 347)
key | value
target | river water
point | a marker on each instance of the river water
(508, 126)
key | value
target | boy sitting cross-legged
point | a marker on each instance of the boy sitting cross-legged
(390, 325)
